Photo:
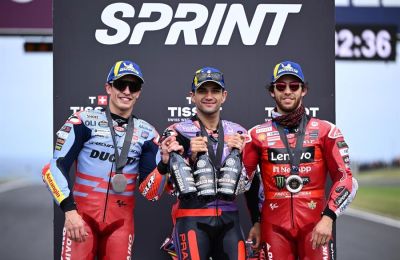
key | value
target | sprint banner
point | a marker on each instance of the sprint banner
(170, 40)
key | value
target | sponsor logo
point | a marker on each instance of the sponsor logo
(94, 104)
(344, 151)
(62, 134)
(90, 123)
(342, 144)
(314, 124)
(313, 134)
(325, 255)
(312, 204)
(280, 156)
(65, 128)
(179, 113)
(148, 185)
(118, 30)
(286, 169)
(121, 203)
(339, 189)
(67, 246)
(311, 111)
(102, 132)
(270, 255)
(60, 141)
(280, 181)
(346, 159)
(104, 156)
(53, 187)
(274, 133)
(287, 68)
(273, 138)
(119, 128)
(273, 206)
(201, 163)
(103, 123)
(339, 200)
(128, 67)
(263, 130)
(184, 246)
(58, 147)
(130, 243)
(92, 116)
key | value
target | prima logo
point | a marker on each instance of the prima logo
(119, 30)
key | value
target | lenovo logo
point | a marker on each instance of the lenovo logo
(219, 23)
(280, 155)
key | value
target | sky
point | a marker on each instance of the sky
(366, 99)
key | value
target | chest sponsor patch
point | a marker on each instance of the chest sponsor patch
(280, 155)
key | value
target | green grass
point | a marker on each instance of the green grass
(381, 200)
(379, 192)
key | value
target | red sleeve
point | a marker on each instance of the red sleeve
(251, 153)
(344, 186)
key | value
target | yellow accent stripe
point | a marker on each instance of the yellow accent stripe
(58, 195)
(276, 70)
(116, 68)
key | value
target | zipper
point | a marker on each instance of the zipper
(108, 191)
(291, 210)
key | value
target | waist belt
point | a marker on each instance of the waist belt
(180, 213)
(301, 194)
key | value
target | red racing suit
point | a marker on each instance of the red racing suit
(86, 139)
(287, 220)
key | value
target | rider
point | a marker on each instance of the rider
(295, 152)
(99, 209)
(207, 229)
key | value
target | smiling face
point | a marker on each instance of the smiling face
(287, 100)
(122, 101)
(208, 98)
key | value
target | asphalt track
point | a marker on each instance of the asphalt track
(26, 229)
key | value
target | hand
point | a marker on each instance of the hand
(198, 144)
(255, 235)
(235, 141)
(322, 232)
(75, 226)
(170, 145)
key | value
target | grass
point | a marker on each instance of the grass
(379, 192)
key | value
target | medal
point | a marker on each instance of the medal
(118, 183)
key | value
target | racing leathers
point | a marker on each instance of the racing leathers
(108, 216)
(208, 229)
(287, 219)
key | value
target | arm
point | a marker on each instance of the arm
(151, 182)
(344, 186)
(70, 139)
(252, 201)
(251, 158)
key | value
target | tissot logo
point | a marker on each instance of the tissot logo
(280, 156)
(222, 18)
